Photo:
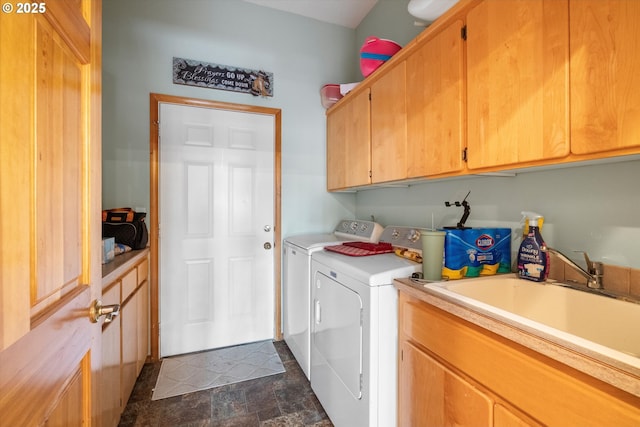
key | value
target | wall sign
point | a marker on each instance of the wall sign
(215, 76)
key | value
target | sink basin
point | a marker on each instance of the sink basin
(605, 321)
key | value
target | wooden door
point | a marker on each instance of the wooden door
(50, 198)
(389, 126)
(435, 105)
(605, 76)
(432, 395)
(517, 82)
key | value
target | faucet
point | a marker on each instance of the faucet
(593, 274)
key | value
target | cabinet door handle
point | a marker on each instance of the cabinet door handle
(97, 310)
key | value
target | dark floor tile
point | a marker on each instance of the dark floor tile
(279, 400)
(228, 404)
(192, 407)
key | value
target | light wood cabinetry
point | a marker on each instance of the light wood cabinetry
(435, 104)
(111, 360)
(126, 338)
(499, 85)
(503, 417)
(348, 144)
(517, 82)
(366, 136)
(605, 76)
(389, 126)
(436, 395)
(450, 368)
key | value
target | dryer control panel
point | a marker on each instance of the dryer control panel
(402, 237)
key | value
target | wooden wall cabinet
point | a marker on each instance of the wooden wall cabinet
(517, 82)
(348, 143)
(537, 82)
(452, 372)
(605, 77)
(389, 126)
(435, 104)
(125, 339)
(366, 135)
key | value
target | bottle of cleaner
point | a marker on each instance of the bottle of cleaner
(533, 259)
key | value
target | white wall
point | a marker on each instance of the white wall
(142, 36)
(589, 208)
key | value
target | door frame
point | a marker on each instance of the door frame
(155, 99)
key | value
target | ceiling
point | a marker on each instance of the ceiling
(347, 13)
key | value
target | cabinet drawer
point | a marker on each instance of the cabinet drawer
(129, 283)
(112, 294)
(143, 271)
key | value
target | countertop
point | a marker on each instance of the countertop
(121, 263)
(614, 372)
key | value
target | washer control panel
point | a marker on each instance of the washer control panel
(362, 230)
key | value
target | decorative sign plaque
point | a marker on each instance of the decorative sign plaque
(214, 76)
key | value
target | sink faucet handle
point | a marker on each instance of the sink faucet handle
(591, 268)
(595, 269)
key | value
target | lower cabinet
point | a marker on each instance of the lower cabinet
(455, 373)
(110, 377)
(125, 340)
(437, 396)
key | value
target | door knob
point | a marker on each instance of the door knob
(98, 310)
(267, 245)
(267, 228)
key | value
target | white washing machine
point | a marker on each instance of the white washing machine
(296, 282)
(354, 331)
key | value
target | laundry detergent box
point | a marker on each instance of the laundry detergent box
(108, 249)
(479, 251)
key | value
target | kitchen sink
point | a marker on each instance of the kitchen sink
(605, 321)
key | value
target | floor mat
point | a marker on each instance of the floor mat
(208, 369)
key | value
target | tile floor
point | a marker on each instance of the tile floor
(278, 400)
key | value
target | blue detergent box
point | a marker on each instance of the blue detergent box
(484, 251)
(108, 249)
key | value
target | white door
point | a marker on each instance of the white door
(216, 216)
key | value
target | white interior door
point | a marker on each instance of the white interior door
(216, 216)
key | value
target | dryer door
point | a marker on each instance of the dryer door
(337, 335)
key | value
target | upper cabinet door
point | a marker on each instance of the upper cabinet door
(389, 126)
(348, 143)
(336, 130)
(517, 82)
(605, 75)
(435, 105)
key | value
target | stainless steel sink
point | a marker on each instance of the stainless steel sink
(608, 322)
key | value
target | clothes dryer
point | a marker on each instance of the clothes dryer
(354, 333)
(296, 286)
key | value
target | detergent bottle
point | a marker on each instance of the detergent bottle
(533, 258)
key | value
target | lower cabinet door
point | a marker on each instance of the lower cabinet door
(111, 405)
(129, 319)
(143, 326)
(432, 395)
